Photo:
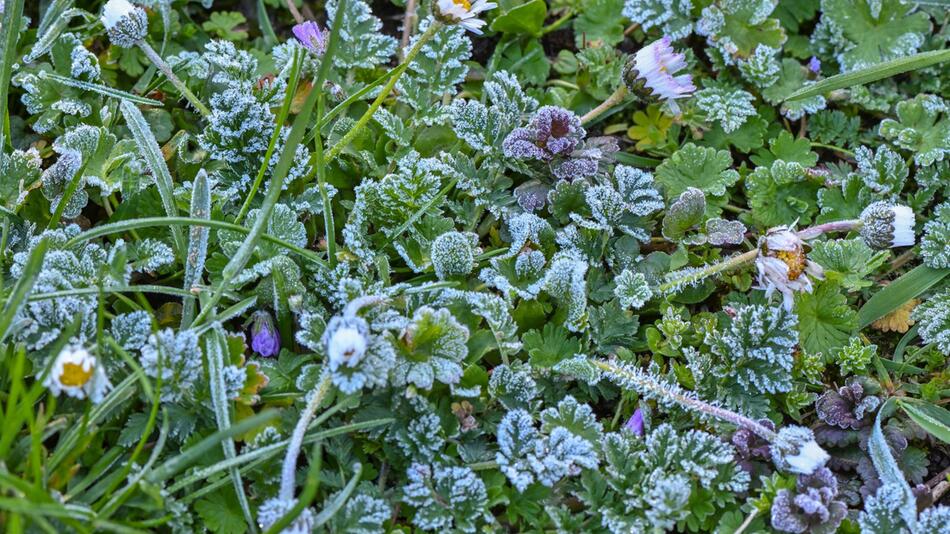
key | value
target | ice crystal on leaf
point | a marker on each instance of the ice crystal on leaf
(513, 385)
(453, 254)
(565, 281)
(922, 127)
(883, 171)
(868, 32)
(361, 45)
(812, 507)
(673, 17)
(934, 318)
(436, 71)
(176, 358)
(632, 289)
(445, 497)
(430, 349)
(736, 27)
(933, 245)
(728, 105)
(363, 514)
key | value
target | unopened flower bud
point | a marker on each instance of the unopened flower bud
(795, 450)
(887, 225)
(126, 24)
(265, 340)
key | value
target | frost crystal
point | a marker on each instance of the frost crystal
(552, 132)
(728, 105)
(673, 17)
(812, 507)
(933, 245)
(934, 318)
(445, 497)
(431, 349)
(453, 254)
(176, 357)
(755, 349)
(273, 509)
(632, 289)
(513, 385)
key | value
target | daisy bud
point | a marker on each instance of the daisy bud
(347, 343)
(311, 37)
(125, 23)
(265, 340)
(462, 12)
(887, 225)
(651, 73)
(795, 450)
(78, 374)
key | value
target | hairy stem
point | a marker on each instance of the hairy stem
(289, 468)
(834, 226)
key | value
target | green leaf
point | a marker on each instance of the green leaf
(825, 320)
(525, 19)
(220, 515)
(895, 294)
(549, 346)
(930, 417)
(706, 169)
(921, 129)
(847, 261)
(223, 24)
(873, 73)
(781, 194)
(598, 21)
(787, 148)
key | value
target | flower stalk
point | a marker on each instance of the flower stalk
(289, 468)
(611, 101)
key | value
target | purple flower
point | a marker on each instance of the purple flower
(654, 67)
(812, 507)
(311, 37)
(553, 131)
(635, 423)
(265, 340)
(814, 65)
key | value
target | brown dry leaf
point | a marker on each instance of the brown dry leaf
(898, 320)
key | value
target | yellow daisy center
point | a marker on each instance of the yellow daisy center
(463, 3)
(795, 259)
(74, 375)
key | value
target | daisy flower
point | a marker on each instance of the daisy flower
(783, 265)
(311, 37)
(654, 69)
(463, 12)
(78, 374)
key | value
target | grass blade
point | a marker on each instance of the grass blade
(197, 243)
(101, 89)
(12, 17)
(18, 297)
(908, 286)
(872, 74)
(148, 146)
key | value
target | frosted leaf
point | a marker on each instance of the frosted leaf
(632, 289)
(513, 385)
(684, 216)
(435, 71)
(178, 356)
(84, 65)
(722, 232)
(221, 61)
(756, 348)
(673, 17)
(422, 441)
(934, 318)
(525, 229)
(638, 190)
(883, 170)
(132, 330)
(445, 498)
(152, 254)
(431, 349)
(363, 514)
(361, 43)
(20, 171)
(58, 177)
(565, 281)
(453, 254)
(726, 104)
(882, 511)
(935, 519)
(516, 436)
(233, 378)
(496, 312)
(761, 68)
(576, 417)
(933, 244)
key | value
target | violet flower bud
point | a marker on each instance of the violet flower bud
(635, 423)
(265, 340)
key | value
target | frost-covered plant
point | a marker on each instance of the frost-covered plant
(430, 348)
(564, 446)
(445, 497)
(175, 357)
(730, 106)
(673, 17)
(654, 482)
(847, 407)
(934, 318)
(453, 254)
(933, 245)
(812, 507)
(632, 289)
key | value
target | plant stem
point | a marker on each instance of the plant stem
(289, 467)
(691, 403)
(160, 63)
(388, 88)
(611, 101)
(408, 25)
(834, 226)
(710, 270)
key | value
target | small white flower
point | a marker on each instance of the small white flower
(887, 225)
(782, 265)
(655, 66)
(795, 450)
(463, 12)
(78, 374)
(346, 347)
(126, 23)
